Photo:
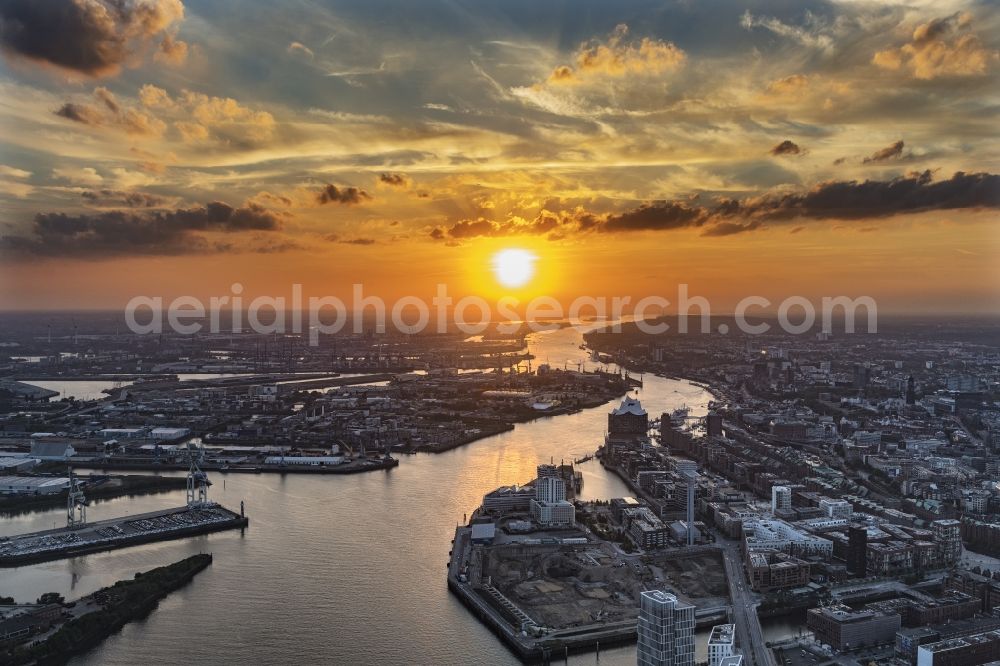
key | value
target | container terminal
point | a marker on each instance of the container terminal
(198, 516)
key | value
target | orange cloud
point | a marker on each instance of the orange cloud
(106, 111)
(172, 51)
(152, 96)
(941, 47)
(617, 58)
(788, 85)
(221, 112)
(196, 117)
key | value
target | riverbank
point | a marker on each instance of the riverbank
(487, 431)
(95, 488)
(351, 467)
(483, 432)
(114, 607)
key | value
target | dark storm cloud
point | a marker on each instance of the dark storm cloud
(888, 153)
(342, 195)
(546, 222)
(786, 147)
(659, 215)
(107, 197)
(128, 233)
(655, 216)
(394, 179)
(840, 200)
(80, 113)
(335, 238)
(92, 37)
(851, 200)
(473, 229)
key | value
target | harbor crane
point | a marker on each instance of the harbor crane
(197, 482)
(76, 504)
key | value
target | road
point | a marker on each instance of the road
(748, 631)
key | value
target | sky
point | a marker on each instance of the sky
(161, 147)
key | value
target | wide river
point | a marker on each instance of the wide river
(342, 569)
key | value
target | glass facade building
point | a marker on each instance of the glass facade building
(665, 630)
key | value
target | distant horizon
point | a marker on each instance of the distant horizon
(757, 313)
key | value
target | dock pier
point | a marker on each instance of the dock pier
(165, 525)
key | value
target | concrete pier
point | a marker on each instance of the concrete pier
(122, 532)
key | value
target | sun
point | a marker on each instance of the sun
(514, 267)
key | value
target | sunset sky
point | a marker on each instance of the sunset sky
(778, 148)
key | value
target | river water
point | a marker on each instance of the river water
(95, 388)
(343, 569)
(81, 389)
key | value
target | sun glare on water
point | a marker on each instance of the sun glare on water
(514, 267)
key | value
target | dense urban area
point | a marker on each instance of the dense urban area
(850, 482)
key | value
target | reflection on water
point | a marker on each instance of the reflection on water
(94, 389)
(779, 628)
(81, 389)
(347, 569)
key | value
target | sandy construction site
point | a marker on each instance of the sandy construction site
(701, 579)
(561, 587)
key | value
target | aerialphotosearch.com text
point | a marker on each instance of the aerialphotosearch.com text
(473, 315)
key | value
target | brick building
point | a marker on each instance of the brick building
(772, 570)
(844, 629)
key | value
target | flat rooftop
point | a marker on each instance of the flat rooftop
(966, 641)
(32, 481)
(722, 634)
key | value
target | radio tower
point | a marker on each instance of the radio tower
(76, 504)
